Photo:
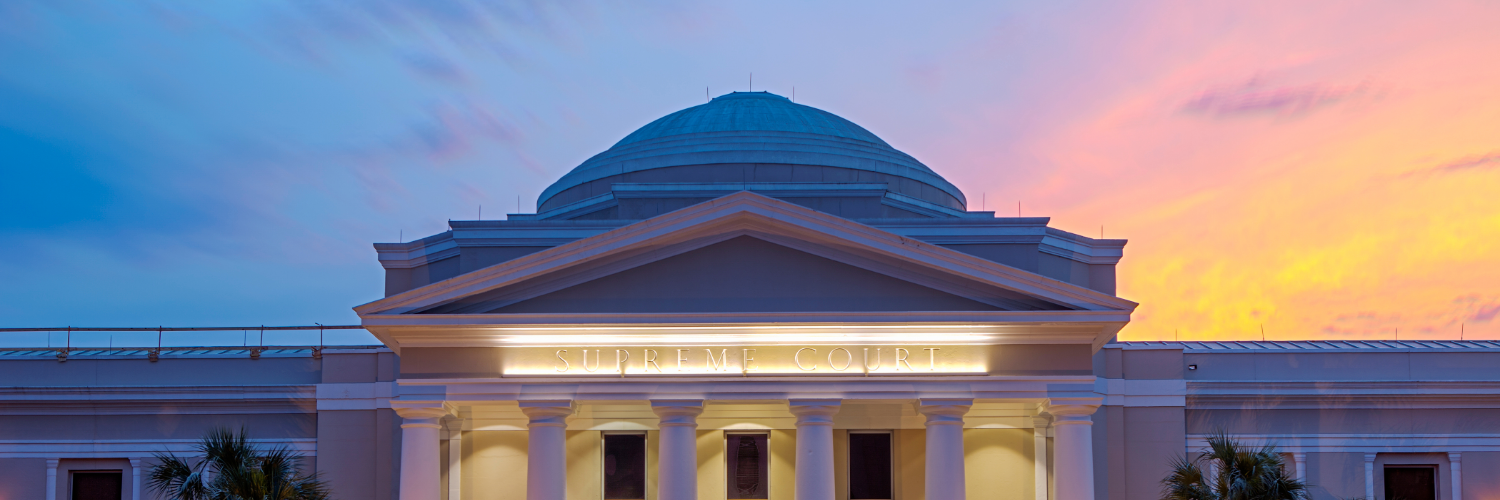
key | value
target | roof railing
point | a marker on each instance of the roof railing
(154, 353)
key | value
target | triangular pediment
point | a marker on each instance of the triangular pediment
(743, 253)
(738, 275)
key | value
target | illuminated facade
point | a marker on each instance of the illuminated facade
(754, 299)
(754, 288)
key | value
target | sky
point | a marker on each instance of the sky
(1283, 170)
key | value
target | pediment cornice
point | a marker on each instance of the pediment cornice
(743, 213)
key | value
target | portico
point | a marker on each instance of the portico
(939, 446)
(947, 408)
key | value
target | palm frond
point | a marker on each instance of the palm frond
(172, 478)
(1246, 472)
(1186, 482)
(226, 449)
(241, 470)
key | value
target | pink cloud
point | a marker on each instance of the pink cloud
(1468, 163)
(1255, 98)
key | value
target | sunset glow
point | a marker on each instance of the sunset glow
(1282, 170)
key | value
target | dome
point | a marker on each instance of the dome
(745, 137)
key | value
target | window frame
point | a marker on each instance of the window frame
(1437, 483)
(645, 459)
(73, 478)
(849, 459)
(770, 485)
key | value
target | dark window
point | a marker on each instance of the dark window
(749, 466)
(869, 466)
(625, 466)
(1411, 483)
(96, 486)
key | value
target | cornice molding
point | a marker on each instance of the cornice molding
(492, 330)
(1362, 443)
(130, 448)
(502, 391)
(1334, 387)
(151, 400)
(1405, 394)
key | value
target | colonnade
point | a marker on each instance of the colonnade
(677, 462)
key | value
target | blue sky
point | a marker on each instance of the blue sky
(221, 163)
(214, 163)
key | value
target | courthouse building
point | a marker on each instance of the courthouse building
(757, 299)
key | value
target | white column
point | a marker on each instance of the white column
(1073, 447)
(814, 479)
(1458, 478)
(135, 479)
(1369, 475)
(420, 473)
(546, 449)
(677, 457)
(1299, 460)
(52, 479)
(945, 446)
(455, 457)
(1039, 426)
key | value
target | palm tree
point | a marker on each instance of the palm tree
(1238, 472)
(239, 472)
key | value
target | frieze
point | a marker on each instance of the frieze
(745, 360)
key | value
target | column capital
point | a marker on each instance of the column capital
(135, 462)
(1041, 421)
(52, 463)
(677, 412)
(547, 413)
(814, 411)
(944, 411)
(1299, 456)
(1068, 411)
(1454, 456)
(1369, 458)
(420, 416)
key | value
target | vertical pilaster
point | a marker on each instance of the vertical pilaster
(945, 447)
(135, 479)
(814, 471)
(1299, 462)
(546, 449)
(52, 479)
(1039, 425)
(455, 458)
(677, 457)
(1073, 442)
(1454, 467)
(420, 472)
(1369, 475)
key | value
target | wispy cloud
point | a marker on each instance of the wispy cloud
(1257, 98)
(1468, 163)
(436, 67)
